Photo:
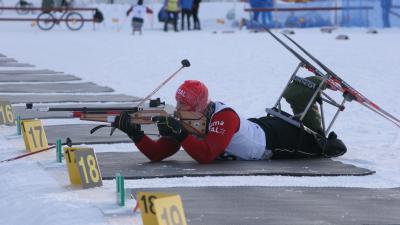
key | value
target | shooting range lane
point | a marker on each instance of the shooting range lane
(18, 72)
(213, 205)
(80, 134)
(133, 165)
(86, 87)
(15, 64)
(5, 59)
(14, 99)
(37, 78)
(286, 205)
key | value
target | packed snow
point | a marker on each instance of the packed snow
(245, 70)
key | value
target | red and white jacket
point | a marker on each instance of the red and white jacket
(227, 132)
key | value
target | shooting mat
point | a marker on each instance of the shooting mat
(80, 134)
(37, 78)
(134, 165)
(5, 59)
(87, 87)
(18, 72)
(286, 205)
(15, 64)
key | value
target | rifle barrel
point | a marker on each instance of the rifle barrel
(86, 109)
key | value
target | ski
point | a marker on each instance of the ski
(347, 88)
(349, 93)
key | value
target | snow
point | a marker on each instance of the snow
(245, 70)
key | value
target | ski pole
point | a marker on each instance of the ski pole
(67, 142)
(347, 88)
(184, 62)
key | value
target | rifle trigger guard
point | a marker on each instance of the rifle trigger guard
(97, 127)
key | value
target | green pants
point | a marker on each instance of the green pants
(298, 97)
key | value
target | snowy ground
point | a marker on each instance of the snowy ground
(245, 70)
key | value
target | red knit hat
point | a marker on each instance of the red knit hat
(193, 93)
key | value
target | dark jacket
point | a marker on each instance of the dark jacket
(386, 3)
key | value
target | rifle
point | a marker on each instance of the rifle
(192, 121)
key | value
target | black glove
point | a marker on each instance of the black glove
(170, 127)
(123, 122)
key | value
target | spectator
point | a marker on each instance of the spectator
(262, 4)
(268, 4)
(139, 11)
(195, 12)
(386, 5)
(187, 6)
(66, 3)
(98, 16)
(256, 5)
(172, 7)
(47, 5)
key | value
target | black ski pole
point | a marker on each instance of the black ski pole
(185, 63)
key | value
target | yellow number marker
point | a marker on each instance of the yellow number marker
(69, 154)
(169, 211)
(146, 205)
(82, 167)
(6, 114)
(34, 135)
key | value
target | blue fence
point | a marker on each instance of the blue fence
(345, 13)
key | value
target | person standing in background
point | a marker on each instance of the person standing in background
(172, 7)
(256, 4)
(386, 5)
(269, 4)
(261, 4)
(139, 12)
(187, 6)
(195, 12)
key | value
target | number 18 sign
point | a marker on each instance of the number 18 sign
(82, 167)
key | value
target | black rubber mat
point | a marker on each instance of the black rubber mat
(17, 72)
(5, 59)
(80, 134)
(286, 205)
(14, 99)
(15, 64)
(34, 113)
(134, 165)
(37, 78)
(87, 87)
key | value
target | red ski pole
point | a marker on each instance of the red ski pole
(67, 142)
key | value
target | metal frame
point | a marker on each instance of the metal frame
(276, 111)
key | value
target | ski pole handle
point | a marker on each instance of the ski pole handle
(184, 62)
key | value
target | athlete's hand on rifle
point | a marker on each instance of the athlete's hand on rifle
(123, 122)
(170, 127)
